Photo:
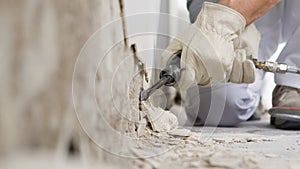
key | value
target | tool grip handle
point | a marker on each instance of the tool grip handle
(172, 69)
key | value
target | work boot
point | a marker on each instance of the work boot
(285, 113)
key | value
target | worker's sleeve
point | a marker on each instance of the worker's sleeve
(194, 7)
(291, 35)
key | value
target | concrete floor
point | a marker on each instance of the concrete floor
(253, 144)
(258, 137)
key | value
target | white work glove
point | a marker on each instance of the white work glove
(214, 49)
(246, 48)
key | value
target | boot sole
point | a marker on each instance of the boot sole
(287, 118)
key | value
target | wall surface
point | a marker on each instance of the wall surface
(40, 42)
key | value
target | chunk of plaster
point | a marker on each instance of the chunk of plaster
(180, 132)
(160, 120)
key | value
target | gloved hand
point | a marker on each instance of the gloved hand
(246, 48)
(214, 48)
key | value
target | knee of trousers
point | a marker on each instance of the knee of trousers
(223, 105)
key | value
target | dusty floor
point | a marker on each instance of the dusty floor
(261, 138)
(250, 145)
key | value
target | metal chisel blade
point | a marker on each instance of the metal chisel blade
(145, 94)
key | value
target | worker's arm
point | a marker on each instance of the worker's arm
(250, 9)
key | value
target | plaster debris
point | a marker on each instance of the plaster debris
(180, 132)
(272, 155)
(224, 160)
(160, 120)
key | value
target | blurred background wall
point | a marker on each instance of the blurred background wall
(40, 41)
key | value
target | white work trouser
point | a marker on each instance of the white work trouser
(230, 104)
